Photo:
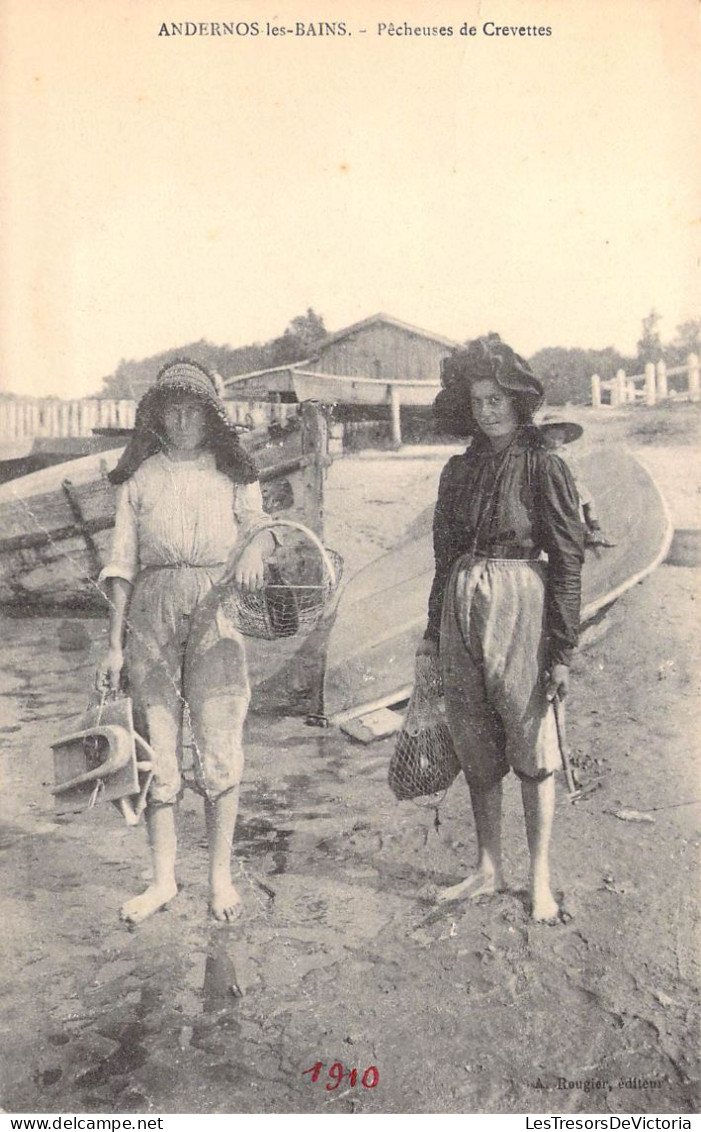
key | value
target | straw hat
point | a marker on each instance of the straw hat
(565, 431)
(185, 377)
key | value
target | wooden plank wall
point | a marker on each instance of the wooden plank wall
(385, 352)
(28, 417)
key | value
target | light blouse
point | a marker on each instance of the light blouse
(180, 512)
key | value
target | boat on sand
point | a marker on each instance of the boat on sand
(381, 614)
(56, 523)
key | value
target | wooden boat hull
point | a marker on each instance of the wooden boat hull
(333, 389)
(381, 615)
(56, 523)
(24, 457)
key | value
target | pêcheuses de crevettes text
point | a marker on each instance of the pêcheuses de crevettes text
(340, 29)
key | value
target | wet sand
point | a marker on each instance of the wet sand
(338, 958)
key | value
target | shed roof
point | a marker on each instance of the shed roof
(357, 327)
(347, 332)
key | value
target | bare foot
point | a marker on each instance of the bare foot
(225, 902)
(554, 914)
(479, 884)
(140, 907)
(544, 907)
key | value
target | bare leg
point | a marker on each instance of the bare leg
(488, 877)
(160, 822)
(538, 807)
(220, 817)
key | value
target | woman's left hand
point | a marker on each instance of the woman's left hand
(558, 682)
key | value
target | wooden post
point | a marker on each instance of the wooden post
(91, 414)
(53, 418)
(650, 384)
(315, 443)
(662, 391)
(621, 387)
(693, 363)
(34, 419)
(596, 390)
(395, 409)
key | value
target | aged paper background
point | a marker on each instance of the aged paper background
(161, 188)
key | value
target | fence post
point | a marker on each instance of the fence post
(34, 421)
(662, 391)
(75, 418)
(693, 363)
(395, 406)
(650, 384)
(621, 390)
(53, 418)
(596, 390)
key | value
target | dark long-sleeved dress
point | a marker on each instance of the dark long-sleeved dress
(503, 613)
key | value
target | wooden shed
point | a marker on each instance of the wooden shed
(377, 362)
(384, 348)
(380, 347)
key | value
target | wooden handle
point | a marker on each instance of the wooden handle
(559, 708)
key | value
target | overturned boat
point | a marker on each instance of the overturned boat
(56, 523)
(381, 615)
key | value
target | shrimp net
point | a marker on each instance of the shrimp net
(424, 761)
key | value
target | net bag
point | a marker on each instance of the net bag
(424, 760)
(301, 579)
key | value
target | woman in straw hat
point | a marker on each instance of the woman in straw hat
(188, 493)
(503, 618)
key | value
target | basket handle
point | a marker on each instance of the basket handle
(297, 527)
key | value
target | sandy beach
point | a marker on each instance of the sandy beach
(340, 957)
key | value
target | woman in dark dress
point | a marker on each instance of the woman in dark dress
(504, 606)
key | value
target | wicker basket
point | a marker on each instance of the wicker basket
(301, 579)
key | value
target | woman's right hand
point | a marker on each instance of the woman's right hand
(109, 670)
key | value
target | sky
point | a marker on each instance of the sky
(158, 189)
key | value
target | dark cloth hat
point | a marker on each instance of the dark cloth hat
(178, 378)
(483, 358)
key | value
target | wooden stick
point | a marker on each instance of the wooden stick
(559, 707)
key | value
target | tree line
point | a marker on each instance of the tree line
(132, 378)
(566, 373)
